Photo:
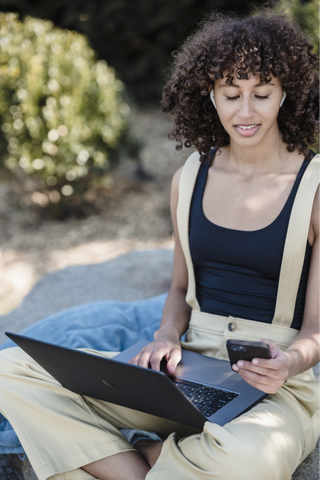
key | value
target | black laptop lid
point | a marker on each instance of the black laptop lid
(112, 381)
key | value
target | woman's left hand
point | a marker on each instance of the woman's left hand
(266, 375)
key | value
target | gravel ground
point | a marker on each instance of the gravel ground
(134, 214)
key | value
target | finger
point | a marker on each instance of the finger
(157, 355)
(276, 376)
(261, 382)
(271, 343)
(144, 352)
(272, 364)
(134, 360)
(141, 359)
(173, 359)
(269, 378)
(148, 358)
(155, 359)
(260, 370)
(274, 349)
(268, 364)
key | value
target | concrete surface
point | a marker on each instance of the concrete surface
(13, 468)
(9, 470)
(133, 276)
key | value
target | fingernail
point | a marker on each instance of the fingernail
(235, 368)
(255, 361)
(240, 363)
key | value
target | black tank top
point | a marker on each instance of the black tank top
(237, 272)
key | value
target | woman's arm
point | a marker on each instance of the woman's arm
(303, 353)
(176, 312)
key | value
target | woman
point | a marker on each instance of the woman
(248, 88)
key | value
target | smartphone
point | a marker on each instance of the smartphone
(244, 350)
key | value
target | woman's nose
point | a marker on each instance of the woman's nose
(246, 109)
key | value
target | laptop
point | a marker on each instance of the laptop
(202, 388)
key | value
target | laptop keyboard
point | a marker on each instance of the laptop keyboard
(207, 399)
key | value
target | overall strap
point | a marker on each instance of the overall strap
(186, 186)
(295, 245)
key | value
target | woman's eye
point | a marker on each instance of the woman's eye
(259, 97)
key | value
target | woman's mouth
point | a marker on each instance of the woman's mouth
(247, 130)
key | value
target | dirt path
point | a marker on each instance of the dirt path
(134, 216)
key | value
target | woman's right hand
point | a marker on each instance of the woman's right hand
(164, 346)
(176, 312)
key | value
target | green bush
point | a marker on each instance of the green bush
(63, 117)
(136, 37)
(306, 14)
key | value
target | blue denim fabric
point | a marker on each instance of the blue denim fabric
(105, 326)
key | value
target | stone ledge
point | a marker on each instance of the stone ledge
(310, 468)
(12, 468)
(10, 471)
(22, 468)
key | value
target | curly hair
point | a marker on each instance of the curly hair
(264, 45)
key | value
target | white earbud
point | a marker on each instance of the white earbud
(212, 99)
(283, 98)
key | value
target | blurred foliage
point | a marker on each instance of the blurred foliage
(64, 121)
(136, 37)
(306, 14)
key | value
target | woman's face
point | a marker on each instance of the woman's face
(248, 109)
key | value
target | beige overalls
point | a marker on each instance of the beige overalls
(61, 431)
